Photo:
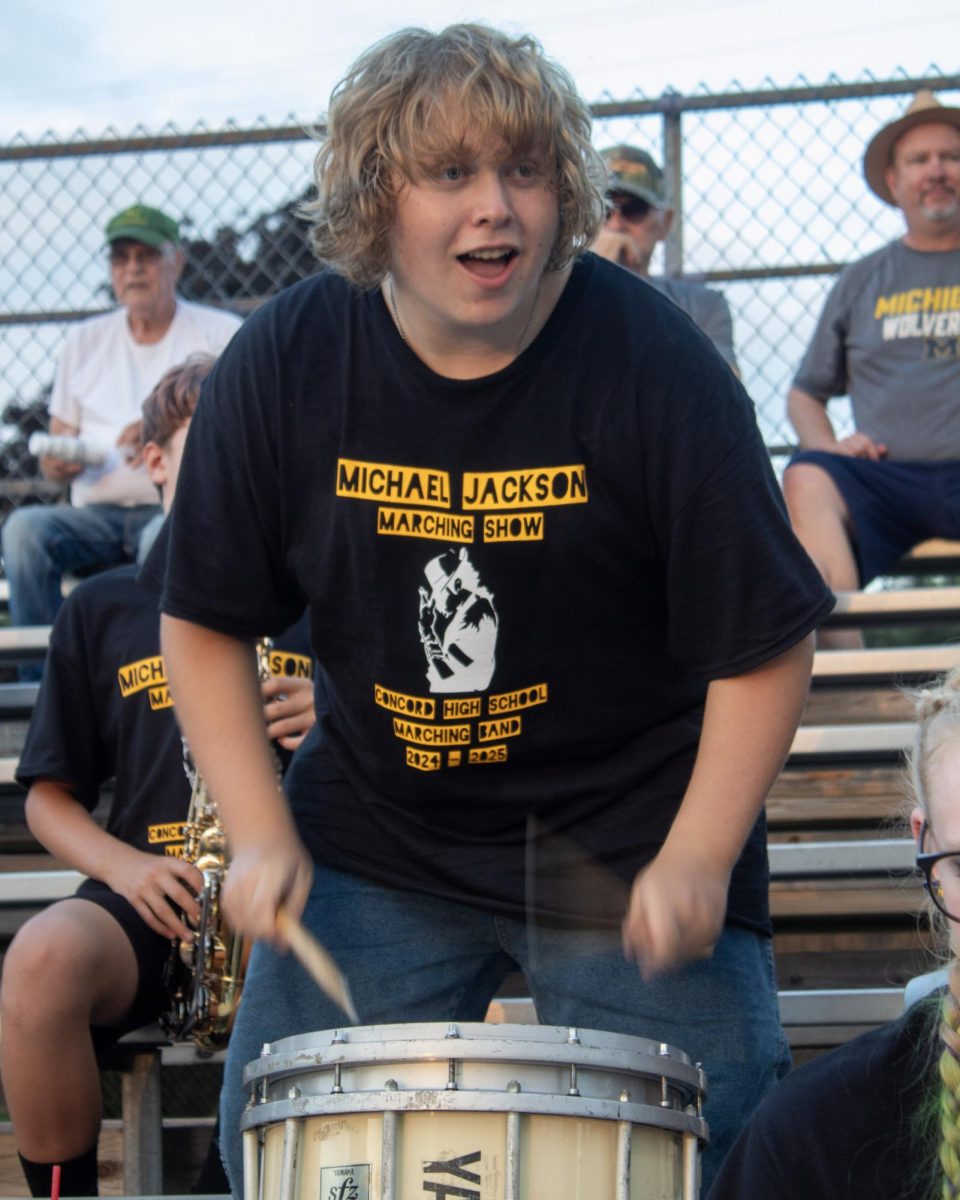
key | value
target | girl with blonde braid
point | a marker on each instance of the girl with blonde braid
(879, 1118)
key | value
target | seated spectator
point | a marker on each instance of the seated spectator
(108, 367)
(866, 1121)
(638, 217)
(88, 969)
(889, 337)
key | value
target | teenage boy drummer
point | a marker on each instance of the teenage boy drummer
(549, 577)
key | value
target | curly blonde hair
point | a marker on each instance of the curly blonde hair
(414, 97)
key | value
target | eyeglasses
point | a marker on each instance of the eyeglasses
(941, 877)
(631, 208)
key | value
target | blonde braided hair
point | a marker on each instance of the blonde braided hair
(938, 723)
(950, 1090)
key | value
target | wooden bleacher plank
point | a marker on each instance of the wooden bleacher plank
(814, 797)
(886, 953)
(853, 741)
(37, 887)
(841, 899)
(24, 641)
(16, 698)
(893, 663)
(858, 1005)
(895, 606)
(875, 702)
(868, 856)
(788, 860)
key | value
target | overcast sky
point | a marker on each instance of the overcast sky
(94, 64)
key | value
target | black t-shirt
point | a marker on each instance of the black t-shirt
(519, 585)
(104, 710)
(845, 1126)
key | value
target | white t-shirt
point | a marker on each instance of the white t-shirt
(104, 377)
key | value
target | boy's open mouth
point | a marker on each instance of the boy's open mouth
(487, 262)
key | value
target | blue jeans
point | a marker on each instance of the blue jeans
(410, 957)
(44, 542)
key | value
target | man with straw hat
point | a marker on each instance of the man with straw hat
(889, 337)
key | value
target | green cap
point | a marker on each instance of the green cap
(139, 223)
(634, 172)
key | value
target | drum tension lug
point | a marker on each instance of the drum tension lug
(451, 1075)
(573, 1089)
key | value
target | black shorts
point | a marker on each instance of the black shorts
(893, 505)
(151, 951)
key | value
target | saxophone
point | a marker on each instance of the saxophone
(204, 978)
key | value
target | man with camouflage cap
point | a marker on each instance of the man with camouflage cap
(638, 217)
(109, 365)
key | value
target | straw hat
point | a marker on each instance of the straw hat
(923, 109)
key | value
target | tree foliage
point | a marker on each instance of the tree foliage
(250, 264)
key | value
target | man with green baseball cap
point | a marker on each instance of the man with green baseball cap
(140, 223)
(110, 364)
(638, 218)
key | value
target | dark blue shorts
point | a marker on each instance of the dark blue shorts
(151, 951)
(893, 505)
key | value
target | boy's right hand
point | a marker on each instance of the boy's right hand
(158, 887)
(262, 876)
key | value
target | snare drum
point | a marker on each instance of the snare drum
(472, 1112)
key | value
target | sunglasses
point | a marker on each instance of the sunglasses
(631, 208)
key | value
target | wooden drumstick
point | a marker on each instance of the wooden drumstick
(317, 962)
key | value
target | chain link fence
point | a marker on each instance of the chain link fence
(767, 187)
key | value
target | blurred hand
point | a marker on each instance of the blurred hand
(618, 247)
(130, 443)
(288, 709)
(260, 879)
(676, 912)
(158, 887)
(58, 470)
(860, 445)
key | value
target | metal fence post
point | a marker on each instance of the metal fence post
(673, 178)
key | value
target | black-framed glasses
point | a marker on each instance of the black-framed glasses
(941, 876)
(631, 208)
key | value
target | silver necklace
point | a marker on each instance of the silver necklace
(525, 333)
